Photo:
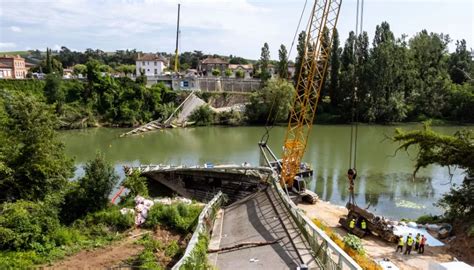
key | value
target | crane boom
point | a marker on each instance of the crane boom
(310, 81)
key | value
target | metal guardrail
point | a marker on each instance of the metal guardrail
(328, 254)
(205, 223)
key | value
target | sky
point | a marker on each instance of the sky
(237, 27)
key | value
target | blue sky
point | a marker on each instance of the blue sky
(238, 27)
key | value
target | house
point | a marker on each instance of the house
(12, 67)
(246, 69)
(206, 66)
(291, 70)
(150, 64)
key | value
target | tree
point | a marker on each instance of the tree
(276, 97)
(32, 163)
(80, 69)
(49, 65)
(335, 65)
(216, 72)
(91, 192)
(264, 63)
(300, 54)
(430, 72)
(283, 62)
(240, 74)
(136, 184)
(53, 91)
(228, 73)
(236, 60)
(460, 63)
(439, 149)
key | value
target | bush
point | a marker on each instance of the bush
(198, 258)
(179, 216)
(173, 249)
(67, 236)
(136, 185)
(354, 242)
(112, 218)
(428, 219)
(25, 225)
(91, 192)
(202, 115)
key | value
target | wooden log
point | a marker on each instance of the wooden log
(245, 245)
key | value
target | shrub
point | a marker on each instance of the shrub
(202, 115)
(173, 249)
(136, 185)
(428, 219)
(25, 225)
(91, 192)
(112, 218)
(179, 216)
(354, 242)
(198, 258)
(67, 236)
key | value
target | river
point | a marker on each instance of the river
(384, 180)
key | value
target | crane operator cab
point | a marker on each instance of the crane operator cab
(299, 185)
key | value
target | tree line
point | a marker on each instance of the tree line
(393, 80)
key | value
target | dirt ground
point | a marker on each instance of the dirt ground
(376, 248)
(101, 258)
(118, 252)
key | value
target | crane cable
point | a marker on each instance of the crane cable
(355, 111)
(270, 123)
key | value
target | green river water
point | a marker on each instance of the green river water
(384, 181)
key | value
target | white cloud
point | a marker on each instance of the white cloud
(7, 45)
(15, 29)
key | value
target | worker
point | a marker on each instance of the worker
(409, 244)
(363, 225)
(400, 244)
(352, 224)
(421, 250)
(351, 175)
(417, 241)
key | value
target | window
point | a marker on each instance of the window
(143, 63)
(148, 70)
(155, 63)
(156, 70)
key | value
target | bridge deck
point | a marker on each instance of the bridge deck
(260, 217)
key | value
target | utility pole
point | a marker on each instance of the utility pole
(176, 60)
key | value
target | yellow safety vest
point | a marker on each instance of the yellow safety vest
(352, 224)
(418, 239)
(400, 241)
(363, 225)
(410, 241)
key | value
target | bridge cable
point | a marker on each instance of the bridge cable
(355, 111)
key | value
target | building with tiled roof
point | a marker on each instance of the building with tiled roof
(12, 67)
(151, 64)
(207, 65)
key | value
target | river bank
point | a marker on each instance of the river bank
(377, 249)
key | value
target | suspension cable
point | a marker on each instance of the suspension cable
(297, 28)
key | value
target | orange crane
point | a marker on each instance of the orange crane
(317, 51)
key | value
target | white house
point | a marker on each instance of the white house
(150, 64)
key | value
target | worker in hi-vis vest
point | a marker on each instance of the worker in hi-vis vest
(352, 224)
(410, 241)
(401, 243)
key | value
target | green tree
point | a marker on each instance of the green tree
(91, 192)
(80, 69)
(136, 184)
(335, 65)
(236, 60)
(264, 63)
(300, 47)
(228, 73)
(32, 163)
(276, 97)
(283, 62)
(432, 80)
(460, 63)
(53, 91)
(49, 65)
(240, 74)
(216, 72)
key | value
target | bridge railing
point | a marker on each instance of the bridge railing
(204, 226)
(328, 254)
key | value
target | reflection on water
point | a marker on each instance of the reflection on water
(383, 184)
